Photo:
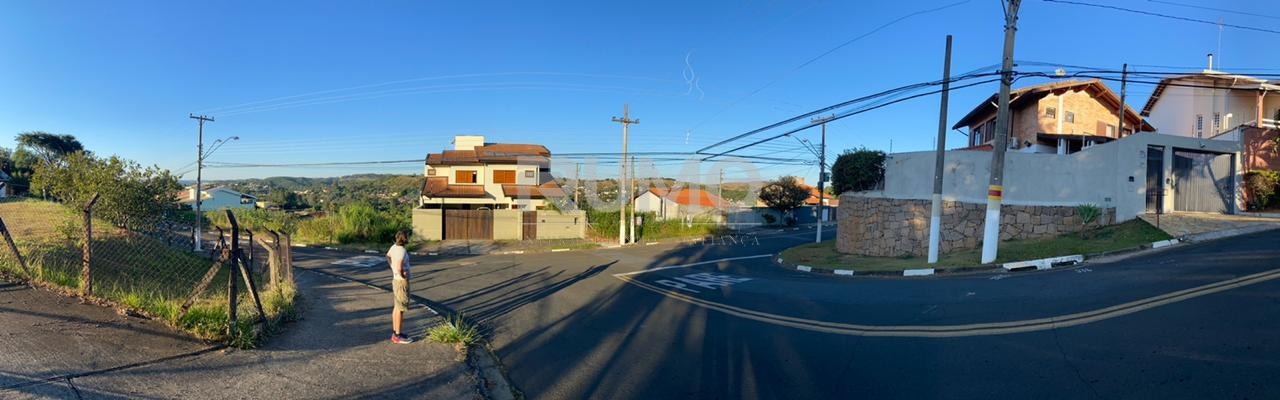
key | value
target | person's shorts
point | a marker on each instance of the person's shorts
(400, 291)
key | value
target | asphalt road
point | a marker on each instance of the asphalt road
(1196, 321)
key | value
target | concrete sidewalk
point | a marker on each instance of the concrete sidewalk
(55, 347)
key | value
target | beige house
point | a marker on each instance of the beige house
(1056, 117)
(493, 191)
(496, 176)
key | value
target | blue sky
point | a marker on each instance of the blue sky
(122, 76)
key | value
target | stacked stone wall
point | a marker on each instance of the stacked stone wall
(885, 227)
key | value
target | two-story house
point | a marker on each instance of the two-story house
(1221, 106)
(1055, 117)
(497, 176)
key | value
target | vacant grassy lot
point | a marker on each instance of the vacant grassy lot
(1115, 237)
(129, 269)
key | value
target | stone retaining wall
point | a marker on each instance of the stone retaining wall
(886, 227)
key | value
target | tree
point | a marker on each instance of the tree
(784, 194)
(857, 170)
(130, 196)
(49, 147)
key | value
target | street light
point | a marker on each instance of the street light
(198, 189)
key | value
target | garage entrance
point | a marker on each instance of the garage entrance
(1203, 181)
(468, 224)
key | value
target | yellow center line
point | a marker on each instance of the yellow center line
(980, 329)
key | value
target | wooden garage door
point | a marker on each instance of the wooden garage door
(529, 225)
(468, 224)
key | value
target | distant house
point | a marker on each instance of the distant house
(496, 176)
(1056, 117)
(679, 203)
(1221, 106)
(216, 198)
(4, 184)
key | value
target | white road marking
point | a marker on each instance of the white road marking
(705, 280)
(360, 261)
(1083, 270)
(692, 265)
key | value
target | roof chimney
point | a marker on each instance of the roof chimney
(1210, 61)
(467, 142)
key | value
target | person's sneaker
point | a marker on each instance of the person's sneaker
(400, 339)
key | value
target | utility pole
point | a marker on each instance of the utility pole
(995, 187)
(1124, 75)
(577, 185)
(200, 119)
(822, 173)
(720, 191)
(935, 215)
(631, 236)
(626, 121)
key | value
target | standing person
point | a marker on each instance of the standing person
(398, 259)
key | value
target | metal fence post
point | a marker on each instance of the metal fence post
(231, 274)
(14, 248)
(86, 277)
(250, 242)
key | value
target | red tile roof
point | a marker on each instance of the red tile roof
(690, 197)
(496, 153)
(542, 191)
(439, 187)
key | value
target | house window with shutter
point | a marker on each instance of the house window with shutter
(504, 176)
(1111, 131)
(528, 173)
(431, 172)
(1051, 112)
(464, 177)
(1070, 117)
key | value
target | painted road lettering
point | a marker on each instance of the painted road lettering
(705, 280)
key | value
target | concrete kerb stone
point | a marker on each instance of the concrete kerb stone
(1044, 263)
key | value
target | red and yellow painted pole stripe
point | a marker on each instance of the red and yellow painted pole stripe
(995, 192)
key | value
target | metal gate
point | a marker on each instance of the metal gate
(1202, 182)
(1155, 179)
(468, 224)
(529, 225)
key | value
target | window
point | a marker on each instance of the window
(975, 136)
(1111, 130)
(1070, 117)
(1199, 122)
(1051, 112)
(464, 177)
(1217, 120)
(504, 176)
(528, 173)
(431, 172)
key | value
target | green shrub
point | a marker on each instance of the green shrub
(1088, 213)
(1262, 189)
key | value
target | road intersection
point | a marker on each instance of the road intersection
(720, 320)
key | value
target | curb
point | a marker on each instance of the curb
(852, 272)
(1044, 263)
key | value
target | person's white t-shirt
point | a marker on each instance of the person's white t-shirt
(400, 255)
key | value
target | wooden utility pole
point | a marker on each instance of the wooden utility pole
(626, 122)
(995, 187)
(935, 215)
(577, 185)
(200, 119)
(1124, 75)
(822, 173)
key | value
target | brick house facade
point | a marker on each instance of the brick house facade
(1060, 117)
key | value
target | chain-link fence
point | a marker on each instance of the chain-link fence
(149, 266)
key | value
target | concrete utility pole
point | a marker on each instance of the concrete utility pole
(995, 188)
(200, 119)
(822, 173)
(626, 121)
(1124, 75)
(577, 185)
(631, 236)
(935, 215)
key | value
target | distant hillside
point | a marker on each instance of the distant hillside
(381, 190)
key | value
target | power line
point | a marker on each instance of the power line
(820, 56)
(1214, 9)
(1250, 28)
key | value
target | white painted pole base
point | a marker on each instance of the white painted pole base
(991, 232)
(935, 228)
